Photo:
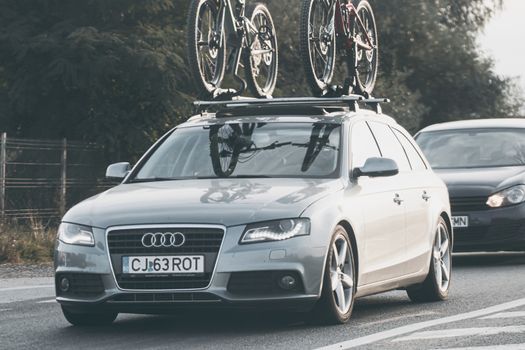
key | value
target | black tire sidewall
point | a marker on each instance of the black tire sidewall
(353, 57)
(205, 89)
(317, 86)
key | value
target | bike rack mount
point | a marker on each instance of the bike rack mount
(350, 102)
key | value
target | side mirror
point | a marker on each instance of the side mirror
(377, 167)
(118, 171)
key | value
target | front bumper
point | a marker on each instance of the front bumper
(501, 229)
(267, 261)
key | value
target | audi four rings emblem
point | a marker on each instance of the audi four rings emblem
(163, 240)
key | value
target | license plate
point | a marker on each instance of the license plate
(460, 221)
(163, 264)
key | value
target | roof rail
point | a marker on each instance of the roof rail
(348, 102)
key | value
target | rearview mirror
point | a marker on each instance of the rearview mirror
(118, 171)
(377, 167)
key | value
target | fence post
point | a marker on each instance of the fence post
(63, 178)
(3, 173)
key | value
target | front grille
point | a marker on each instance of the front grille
(199, 241)
(81, 285)
(261, 283)
(484, 234)
(164, 298)
(466, 204)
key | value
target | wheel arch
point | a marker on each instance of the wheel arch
(349, 229)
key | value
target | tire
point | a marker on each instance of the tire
(365, 84)
(89, 319)
(223, 166)
(328, 309)
(260, 16)
(440, 261)
(206, 80)
(319, 78)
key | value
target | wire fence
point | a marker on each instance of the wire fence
(41, 179)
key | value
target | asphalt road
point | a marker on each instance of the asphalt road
(486, 310)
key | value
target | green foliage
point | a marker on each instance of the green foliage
(111, 72)
(114, 72)
(29, 242)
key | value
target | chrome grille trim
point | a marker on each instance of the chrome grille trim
(163, 226)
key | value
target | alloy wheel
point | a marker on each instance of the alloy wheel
(341, 274)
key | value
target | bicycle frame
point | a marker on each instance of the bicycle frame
(345, 13)
(236, 29)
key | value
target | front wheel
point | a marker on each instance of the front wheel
(365, 61)
(206, 46)
(318, 44)
(339, 282)
(261, 59)
(89, 319)
(437, 284)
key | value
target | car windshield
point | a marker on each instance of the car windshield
(474, 148)
(245, 150)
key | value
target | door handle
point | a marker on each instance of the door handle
(398, 200)
(426, 196)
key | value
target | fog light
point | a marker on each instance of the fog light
(287, 282)
(64, 284)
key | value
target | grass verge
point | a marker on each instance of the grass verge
(30, 242)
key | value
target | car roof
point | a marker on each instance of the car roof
(339, 117)
(503, 123)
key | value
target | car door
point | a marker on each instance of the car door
(383, 213)
(418, 213)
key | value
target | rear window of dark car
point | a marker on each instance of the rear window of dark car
(473, 148)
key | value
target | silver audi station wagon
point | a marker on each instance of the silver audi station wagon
(301, 203)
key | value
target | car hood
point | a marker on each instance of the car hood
(227, 202)
(481, 181)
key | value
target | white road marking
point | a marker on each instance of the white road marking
(391, 319)
(395, 332)
(493, 347)
(26, 287)
(47, 301)
(512, 314)
(461, 332)
(1, 310)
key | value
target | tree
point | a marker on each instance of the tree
(109, 72)
(430, 66)
(114, 72)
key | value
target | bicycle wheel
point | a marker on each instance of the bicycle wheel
(261, 58)
(365, 62)
(224, 150)
(317, 43)
(206, 46)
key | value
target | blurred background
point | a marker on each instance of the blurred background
(87, 83)
(115, 73)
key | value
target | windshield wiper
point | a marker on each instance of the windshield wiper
(154, 179)
(231, 177)
(250, 177)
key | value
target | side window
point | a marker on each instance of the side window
(390, 146)
(413, 155)
(363, 145)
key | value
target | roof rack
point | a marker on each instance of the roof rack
(347, 102)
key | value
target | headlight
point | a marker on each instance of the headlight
(276, 230)
(76, 234)
(510, 196)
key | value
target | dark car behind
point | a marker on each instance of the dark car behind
(483, 164)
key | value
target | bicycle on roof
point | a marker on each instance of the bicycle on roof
(343, 28)
(221, 34)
